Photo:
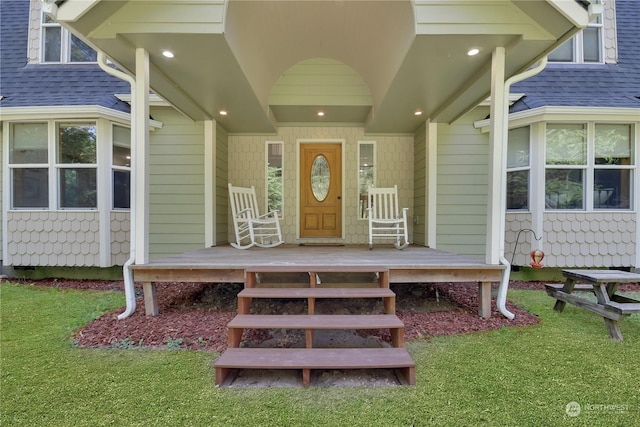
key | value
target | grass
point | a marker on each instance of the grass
(513, 376)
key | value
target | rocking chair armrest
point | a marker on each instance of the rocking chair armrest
(273, 214)
(240, 214)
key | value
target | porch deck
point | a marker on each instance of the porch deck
(414, 264)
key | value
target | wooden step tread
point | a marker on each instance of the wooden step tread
(314, 358)
(316, 293)
(316, 321)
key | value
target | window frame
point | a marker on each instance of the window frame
(361, 213)
(590, 167)
(268, 144)
(526, 168)
(66, 38)
(103, 165)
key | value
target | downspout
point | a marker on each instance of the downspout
(129, 290)
(501, 300)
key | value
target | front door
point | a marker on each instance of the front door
(320, 190)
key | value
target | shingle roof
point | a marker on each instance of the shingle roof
(23, 84)
(596, 85)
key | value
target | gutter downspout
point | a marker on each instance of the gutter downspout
(129, 290)
(501, 299)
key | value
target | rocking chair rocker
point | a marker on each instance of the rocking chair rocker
(385, 221)
(251, 228)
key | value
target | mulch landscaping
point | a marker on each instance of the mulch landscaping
(194, 315)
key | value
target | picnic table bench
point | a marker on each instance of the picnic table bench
(604, 284)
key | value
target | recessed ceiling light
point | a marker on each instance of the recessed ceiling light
(223, 112)
(167, 54)
(417, 113)
(320, 113)
(473, 52)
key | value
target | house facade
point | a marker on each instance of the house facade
(240, 104)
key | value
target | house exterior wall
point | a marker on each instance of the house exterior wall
(61, 238)
(176, 184)
(582, 239)
(394, 166)
(462, 190)
(2, 224)
(120, 236)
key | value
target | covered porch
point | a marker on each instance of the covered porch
(225, 264)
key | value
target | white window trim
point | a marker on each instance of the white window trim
(266, 176)
(375, 175)
(65, 44)
(589, 167)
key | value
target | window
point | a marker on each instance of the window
(275, 190)
(584, 47)
(28, 159)
(76, 164)
(518, 168)
(54, 165)
(121, 167)
(587, 156)
(366, 174)
(60, 46)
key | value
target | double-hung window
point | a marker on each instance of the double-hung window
(76, 165)
(121, 167)
(54, 165)
(589, 166)
(60, 46)
(518, 168)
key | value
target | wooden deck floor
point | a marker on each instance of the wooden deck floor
(414, 264)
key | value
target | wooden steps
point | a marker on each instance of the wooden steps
(309, 358)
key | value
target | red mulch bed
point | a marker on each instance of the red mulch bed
(195, 315)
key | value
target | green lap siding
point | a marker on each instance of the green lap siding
(463, 158)
(176, 191)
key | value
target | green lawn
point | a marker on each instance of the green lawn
(511, 377)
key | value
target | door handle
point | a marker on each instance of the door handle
(339, 197)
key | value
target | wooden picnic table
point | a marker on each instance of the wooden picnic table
(604, 284)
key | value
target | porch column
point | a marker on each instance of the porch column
(432, 183)
(497, 126)
(210, 192)
(140, 184)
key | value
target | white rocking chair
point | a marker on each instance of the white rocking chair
(251, 228)
(385, 221)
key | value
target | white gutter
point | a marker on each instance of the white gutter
(501, 299)
(129, 290)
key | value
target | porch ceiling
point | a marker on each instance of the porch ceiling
(409, 55)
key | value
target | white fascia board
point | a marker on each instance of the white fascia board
(72, 10)
(68, 112)
(574, 114)
(572, 11)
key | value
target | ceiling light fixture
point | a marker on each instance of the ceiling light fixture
(417, 113)
(223, 112)
(473, 52)
(320, 113)
(167, 54)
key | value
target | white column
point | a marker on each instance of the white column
(432, 183)
(105, 189)
(140, 206)
(210, 192)
(497, 137)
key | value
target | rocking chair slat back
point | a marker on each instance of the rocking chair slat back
(385, 219)
(250, 227)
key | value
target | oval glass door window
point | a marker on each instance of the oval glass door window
(320, 178)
